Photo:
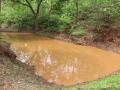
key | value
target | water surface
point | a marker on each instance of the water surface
(60, 62)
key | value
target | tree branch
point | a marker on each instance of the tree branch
(38, 5)
(30, 6)
(18, 1)
(27, 4)
(23, 4)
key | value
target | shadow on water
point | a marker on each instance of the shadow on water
(28, 37)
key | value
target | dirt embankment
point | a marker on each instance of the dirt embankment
(15, 75)
(105, 39)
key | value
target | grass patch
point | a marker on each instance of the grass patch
(109, 83)
(78, 32)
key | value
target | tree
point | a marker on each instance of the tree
(49, 9)
(77, 9)
(0, 5)
(35, 11)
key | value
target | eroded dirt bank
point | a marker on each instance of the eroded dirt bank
(20, 77)
(60, 62)
(106, 39)
(15, 75)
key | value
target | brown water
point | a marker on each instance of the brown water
(60, 62)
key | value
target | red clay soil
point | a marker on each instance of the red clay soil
(4, 50)
(107, 39)
(109, 36)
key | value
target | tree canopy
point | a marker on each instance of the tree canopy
(60, 15)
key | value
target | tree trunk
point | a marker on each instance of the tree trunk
(36, 24)
(77, 9)
(49, 11)
(0, 6)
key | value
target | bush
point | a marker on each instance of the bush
(99, 14)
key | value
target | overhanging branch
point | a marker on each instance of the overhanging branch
(38, 5)
(30, 6)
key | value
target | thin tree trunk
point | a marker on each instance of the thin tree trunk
(77, 10)
(36, 24)
(34, 11)
(49, 11)
(0, 6)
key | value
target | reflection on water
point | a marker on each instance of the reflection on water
(60, 62)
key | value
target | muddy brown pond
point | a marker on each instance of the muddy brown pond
(60, 62)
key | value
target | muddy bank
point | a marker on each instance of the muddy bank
(107, 40)
(86, 40)
(19, 76)
(15, 75)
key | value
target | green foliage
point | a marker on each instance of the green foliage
(79, 32)
(74, 88)
(56, 15)
(104, 14)
(109, 83)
